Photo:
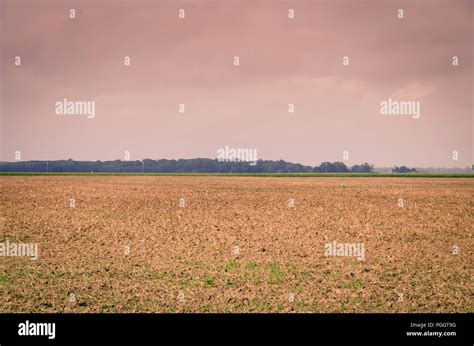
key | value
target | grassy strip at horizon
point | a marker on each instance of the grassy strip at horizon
(274, 175)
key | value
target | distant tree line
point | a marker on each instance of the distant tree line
(403, 169)
(339, 167)
(180, 166)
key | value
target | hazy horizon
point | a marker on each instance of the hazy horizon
(283, 61)
(315, 164)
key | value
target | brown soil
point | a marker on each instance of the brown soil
(185, 259)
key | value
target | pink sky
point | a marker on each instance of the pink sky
(282, 61)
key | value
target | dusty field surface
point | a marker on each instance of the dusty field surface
(129, 246)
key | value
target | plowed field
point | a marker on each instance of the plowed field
(237, 244)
